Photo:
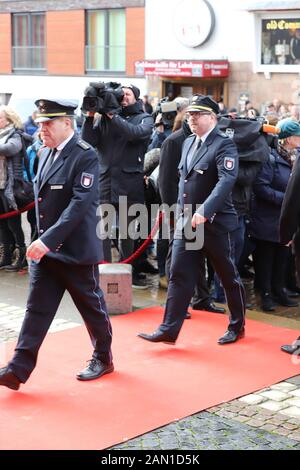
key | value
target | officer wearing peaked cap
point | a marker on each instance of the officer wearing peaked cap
(208, 171)
(48, 109)
(67, 252)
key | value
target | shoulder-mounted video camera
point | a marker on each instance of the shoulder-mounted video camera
(100, 97)
(253, 136)
(168, 110)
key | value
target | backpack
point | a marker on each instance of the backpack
(23, 190)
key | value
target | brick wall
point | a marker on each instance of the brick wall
(135, 37)
(7, 6)
(284, 86)
(5, 43)
(65, 42)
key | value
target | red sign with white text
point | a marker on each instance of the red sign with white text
(183, 68)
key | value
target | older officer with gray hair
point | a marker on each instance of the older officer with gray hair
(65, 255)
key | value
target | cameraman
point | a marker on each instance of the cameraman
(121, 137)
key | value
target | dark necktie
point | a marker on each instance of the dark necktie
(48, 163)
(192, 153)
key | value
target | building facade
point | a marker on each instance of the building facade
(240, 49)
(55, 47)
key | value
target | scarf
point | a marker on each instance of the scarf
(288, 155)
(136, 108)
(6, 169)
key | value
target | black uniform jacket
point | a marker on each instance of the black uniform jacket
(66, 204)
(208, 184)
(290, 210)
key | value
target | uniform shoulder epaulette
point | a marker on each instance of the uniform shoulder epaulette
(84, 145)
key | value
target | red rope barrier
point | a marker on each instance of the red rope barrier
(129, 260)
(144, 245)
(7, 215)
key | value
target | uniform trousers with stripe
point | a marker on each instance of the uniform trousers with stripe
(183, 275)
(49, 279)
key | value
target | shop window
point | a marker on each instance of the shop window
(279, 42)
(105, 40)
(28, 32)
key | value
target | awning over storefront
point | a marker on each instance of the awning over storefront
(272, 5)
(183, 68)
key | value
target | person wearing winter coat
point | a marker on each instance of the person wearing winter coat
(270, 256)
(289, 225)
(121, 140)
(33, 158)
(12, 240)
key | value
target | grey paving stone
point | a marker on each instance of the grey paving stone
(294, 380)
(234, 436)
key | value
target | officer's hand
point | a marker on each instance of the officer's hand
(37, 250)
(198, 219)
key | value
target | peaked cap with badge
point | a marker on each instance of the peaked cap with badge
(49, 109)
(203, 104)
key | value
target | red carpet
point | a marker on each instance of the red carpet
(153, 385)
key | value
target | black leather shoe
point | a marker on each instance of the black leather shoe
(8, 379)
(267, 303)
(147, 267)
(285, 301)
(94, 370)
(292, 348)
(157, 337)
(231, 336)
(211, 307)
(292, 293)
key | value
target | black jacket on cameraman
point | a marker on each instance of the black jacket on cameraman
(121, 143)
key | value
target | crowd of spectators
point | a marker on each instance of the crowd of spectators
(156, 142)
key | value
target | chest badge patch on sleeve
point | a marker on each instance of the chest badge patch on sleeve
(87, 180)
(229, 163)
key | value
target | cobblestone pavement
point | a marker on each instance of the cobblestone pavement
(267, 419)
(11, 318)
(253, 422)
(208, 431)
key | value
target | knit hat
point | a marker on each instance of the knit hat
(288, 127)
(135, 90)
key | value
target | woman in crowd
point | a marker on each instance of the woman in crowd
(270, 257)
(11, 234)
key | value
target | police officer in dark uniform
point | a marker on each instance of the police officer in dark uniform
(208, 168)
(65, 255)
(289, 225)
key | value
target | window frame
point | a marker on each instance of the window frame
(271, 68)
(29, 67)
(106, 70)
